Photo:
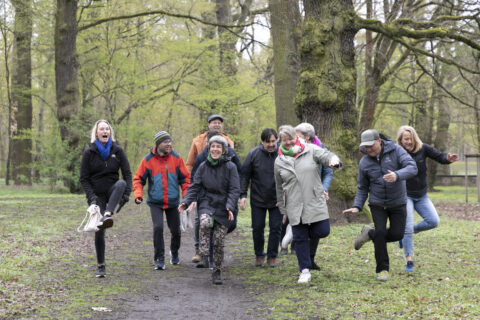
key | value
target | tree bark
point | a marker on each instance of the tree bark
(66, 81)
(326, 88)
(227, 40)
(22, 94)
(286, 59)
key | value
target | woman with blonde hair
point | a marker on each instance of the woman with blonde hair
(417, 197)
(100, 180)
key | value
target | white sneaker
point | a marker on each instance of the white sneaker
(305, 276)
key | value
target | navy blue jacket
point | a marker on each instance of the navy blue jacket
(417, 186)
(202, 156)
(370, 180)
(215, 188)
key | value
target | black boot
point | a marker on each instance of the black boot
(314, 265)
(216, 277)
(203, 262)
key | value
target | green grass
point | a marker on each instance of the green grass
(453, 194)
(46, 267)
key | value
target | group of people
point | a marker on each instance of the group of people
(288, 175)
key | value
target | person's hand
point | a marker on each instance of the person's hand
(230, 215)
(192, 206)
(452, 157)
(138, 200)
(334, 162)
(182, 207)
(326, 195)
(243, 203)
(390, 176)
(351, 210)
(284, 219)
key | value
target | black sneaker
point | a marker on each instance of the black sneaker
(159, 264)
(174, 259)
(216, 277)
(203, 262)
(101, 272)
(106, 222)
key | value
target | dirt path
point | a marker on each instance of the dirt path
(182, 291)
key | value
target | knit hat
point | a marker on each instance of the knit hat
(218, 139)
(214, 116)
(161, 136)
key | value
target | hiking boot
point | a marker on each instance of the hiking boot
(101, 272)
(382, 276)
(217, 277)
(305, 276)
(284, 251)
(174, 259)
(106, 222)
(259, 261)
(363, 237)
(271, 262)
(196, 257)
(203, 262)
(159, 264)
(409, 266)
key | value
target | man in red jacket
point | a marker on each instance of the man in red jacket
(165, 172)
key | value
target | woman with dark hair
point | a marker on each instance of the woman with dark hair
(417, 197)
(100, 180)
(216, 189)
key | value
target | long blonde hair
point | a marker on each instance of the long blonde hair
(93, 135)
(417, 143)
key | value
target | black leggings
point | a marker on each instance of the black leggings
(107, 202)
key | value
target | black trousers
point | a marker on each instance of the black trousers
(173, 222)
(107, 202)
(258, 227)
(382, 235)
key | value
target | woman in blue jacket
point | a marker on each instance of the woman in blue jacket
(417, 197)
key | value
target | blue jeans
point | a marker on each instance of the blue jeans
(302, 233)
(427, 211)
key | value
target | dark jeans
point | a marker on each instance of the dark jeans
(382, 235)
(173, 222)
(258, 227)
(107, 202)
(302, 233)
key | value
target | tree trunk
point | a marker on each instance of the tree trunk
(326, 89)
(66, 80)
(22, 94)
(286, 60)
(226, 38)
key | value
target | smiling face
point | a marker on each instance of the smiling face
(215, 125)
(305, 137)
(271, 144)
(164, 147)
(287, 141)
(407, 141)
(103, 132)
(216, 150)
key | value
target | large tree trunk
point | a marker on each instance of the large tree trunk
(66, 80)
(22, 94)
(227, 39)
(326, 89)
(286, 60)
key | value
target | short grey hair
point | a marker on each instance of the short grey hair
(93, 135)
(306, 129)
(287, 130)
(220, 140)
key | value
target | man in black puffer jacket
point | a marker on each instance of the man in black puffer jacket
(382, 173)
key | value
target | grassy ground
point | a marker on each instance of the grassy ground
(44, 274)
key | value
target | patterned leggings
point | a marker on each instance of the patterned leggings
(219, 232)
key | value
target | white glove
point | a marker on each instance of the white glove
(288, 237)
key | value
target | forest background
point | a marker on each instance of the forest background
(146, 66)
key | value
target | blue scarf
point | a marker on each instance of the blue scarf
(104, 150)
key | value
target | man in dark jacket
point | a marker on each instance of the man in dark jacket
(382, 173)
(257, 171)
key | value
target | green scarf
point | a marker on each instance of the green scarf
(213, 162)
(287, 152)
